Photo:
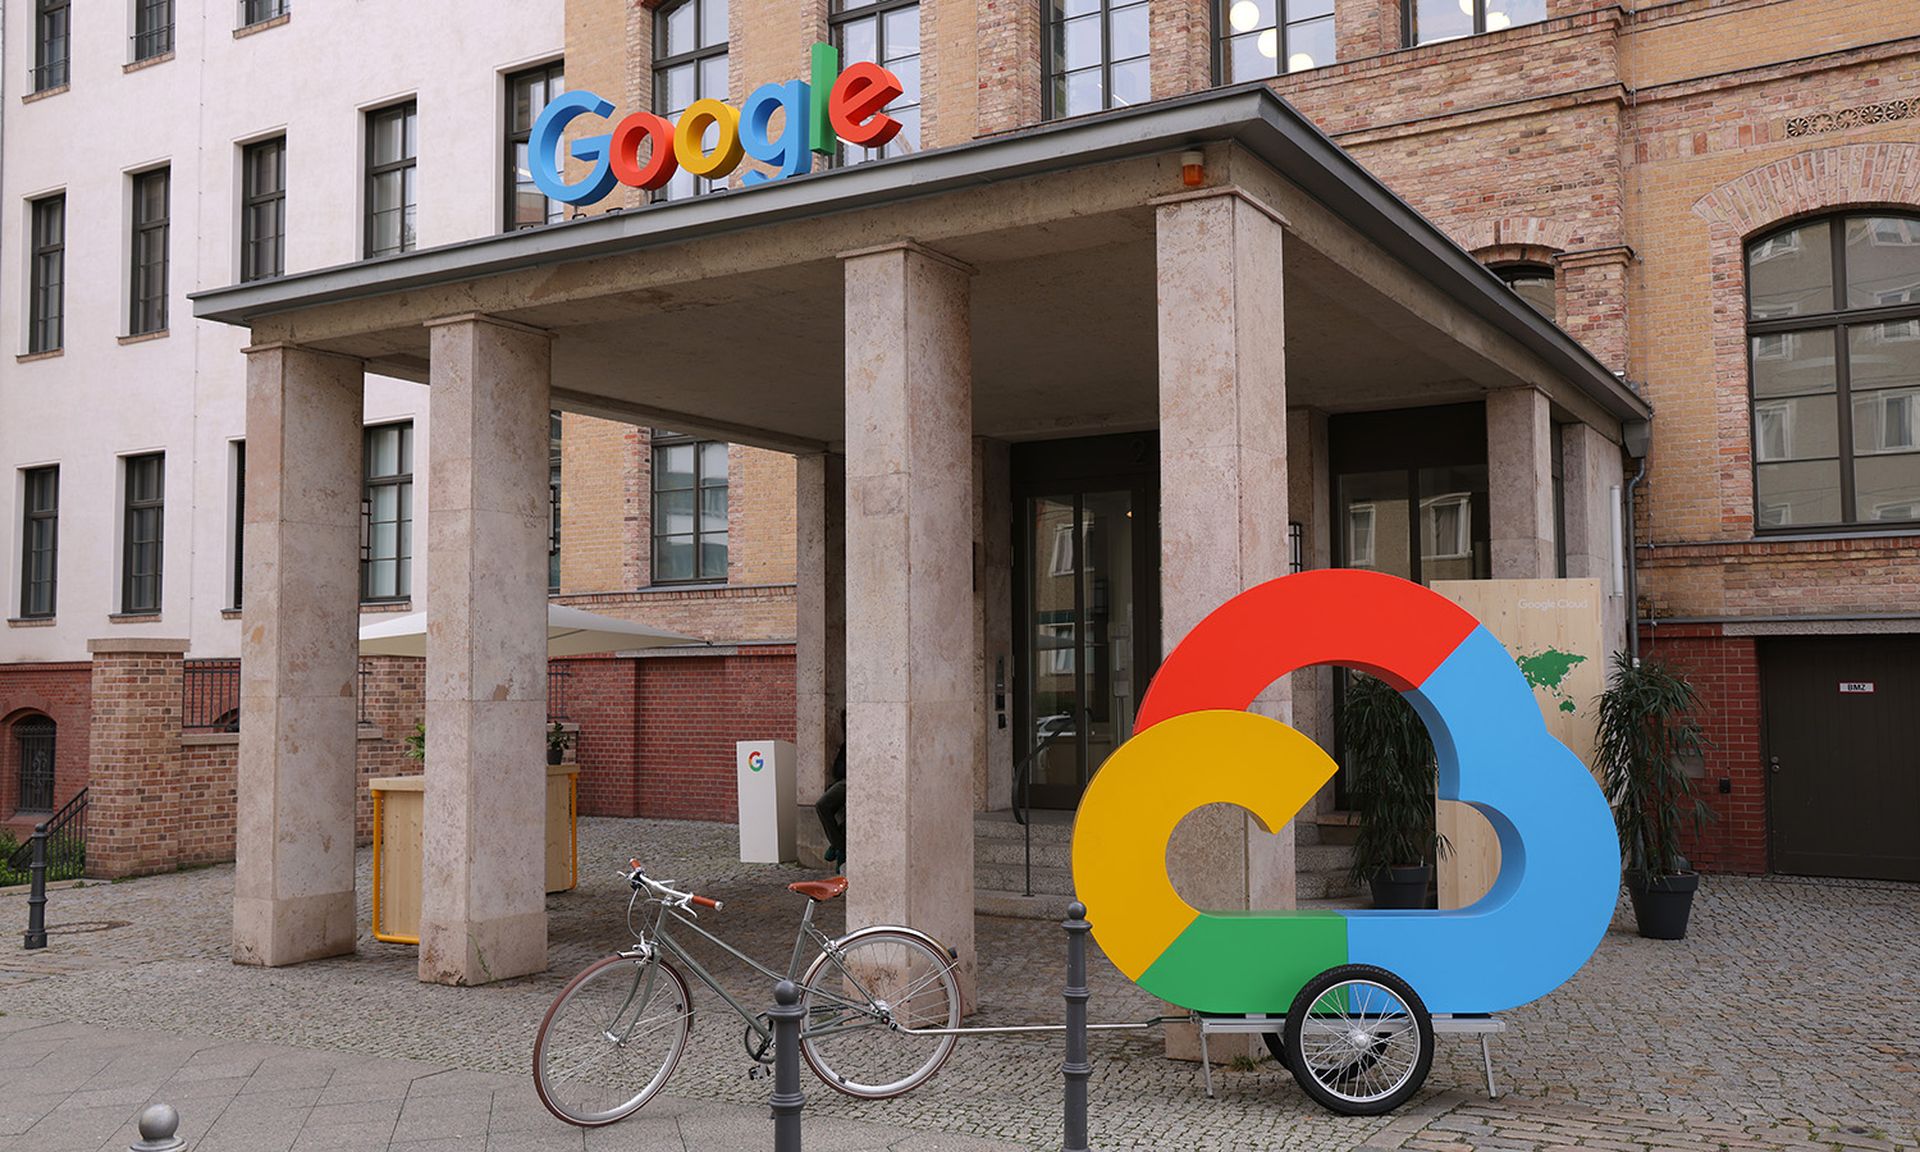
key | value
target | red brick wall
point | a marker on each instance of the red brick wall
(133, 805)
(203, 823)
(395, 699)
(602, 698)
(691, 710)
(1725, 671)
(64, 694)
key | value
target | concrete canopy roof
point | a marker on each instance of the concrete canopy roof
(1383, 309)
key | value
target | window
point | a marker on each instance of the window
(260, 11)
(39, 541)
(1447, 522)
(386, 513)
(1096, 56)
(1258, 34)
(263, 209)
(152, 28)
(689, 509)
(553, 501)
(527, 94)
(148, 300)
(689, 63)
(1360, 520)
(141, 547)
(52, 41)
(1532, 283)
(47, 276)
(392, 142)
(34, 737)
(1431, 21)
(1834, 344)
(887, 33)
(237, 564)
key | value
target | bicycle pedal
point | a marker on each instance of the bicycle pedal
(758, 1072)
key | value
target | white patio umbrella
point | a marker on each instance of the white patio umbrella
(570, 632)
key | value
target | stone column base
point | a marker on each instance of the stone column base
(497, 949)
(274, 933)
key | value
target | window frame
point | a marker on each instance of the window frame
(41, 258)
(254, 12)
(1479, 25)
(237, 562)
(659, 439)
(152, 36)
(1838, 321)
(696, 56)
(555, 461)
(1224, 35)
(550, 72)
(33, 725)
(131, 509)
(50, 71)
(1048, 112)
(30, 516)
(402, 557)
(408, 109)
(852, 12)
(1510, 271)
(148, 314)
(252, 197)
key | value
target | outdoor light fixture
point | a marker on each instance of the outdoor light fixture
(1193, 170)
(1269, 44)
(1299, 62)
(1244, 16)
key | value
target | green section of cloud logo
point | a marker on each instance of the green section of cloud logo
(1548, 669)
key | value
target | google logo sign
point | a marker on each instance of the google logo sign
(1195, 744)
(755, 761)
(835, 105)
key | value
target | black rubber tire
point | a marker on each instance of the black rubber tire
(1277, 1047)
(1294, 1057)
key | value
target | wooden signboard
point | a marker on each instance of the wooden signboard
(1552, 629)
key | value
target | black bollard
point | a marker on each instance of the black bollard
(1077, 1069)
(787, 1101)
(37, 896)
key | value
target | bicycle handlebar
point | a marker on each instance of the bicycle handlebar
(671, 896)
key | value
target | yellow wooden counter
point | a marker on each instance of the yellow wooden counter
(398, 805)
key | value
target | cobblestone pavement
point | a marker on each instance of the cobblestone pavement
(1790, 1019)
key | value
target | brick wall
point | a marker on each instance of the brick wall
(1725, 672)
(692, 710)
(62, 693)
(133, 790)
(394, 693)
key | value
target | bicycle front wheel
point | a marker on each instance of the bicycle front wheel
(611, 1039)
(863, 1000)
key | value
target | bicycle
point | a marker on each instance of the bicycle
(881, 1006)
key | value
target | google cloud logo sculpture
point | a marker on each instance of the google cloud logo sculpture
(1195, 745)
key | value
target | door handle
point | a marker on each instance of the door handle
(1773, 763)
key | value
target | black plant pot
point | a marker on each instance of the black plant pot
(1661, 904)
(1401, 887)
(556, 755)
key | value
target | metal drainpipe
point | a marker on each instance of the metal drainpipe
(1633, 571)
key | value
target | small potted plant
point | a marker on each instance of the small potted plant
(1646, 736)
(1390, 761)
(415, 746)
(559, 739)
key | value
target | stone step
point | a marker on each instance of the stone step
(1012, 878)
(1002, 826)
(1048, 906)
(1323, 886)
(1322, 857)
(1048, 851)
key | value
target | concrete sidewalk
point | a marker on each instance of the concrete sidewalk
(70, 1087)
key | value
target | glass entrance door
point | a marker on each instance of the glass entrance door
(1088, 644)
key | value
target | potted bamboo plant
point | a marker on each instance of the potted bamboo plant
(559, 739)
(1389, 756)
(1646, 735)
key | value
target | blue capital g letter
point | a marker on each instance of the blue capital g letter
(543, 149)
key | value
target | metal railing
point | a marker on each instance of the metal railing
(260, 11)
(152, 42)
(1023, 784)
(66, 845)
(557, 677)
(210, 696)
(52, 74)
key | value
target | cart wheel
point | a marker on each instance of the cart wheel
(1359, 1040)
(1277, 1047)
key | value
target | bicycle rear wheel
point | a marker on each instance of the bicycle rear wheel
(611, 1039)
(862, 999)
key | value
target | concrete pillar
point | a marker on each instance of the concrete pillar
(294, 835)
(1223, 489)
(993, 623)
(1591, 476)
(820, 635)
(1310, 505)
(483, 914)
(910, 637)
(1520, 484)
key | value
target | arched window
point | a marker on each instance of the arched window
(1531, 282)
(1431, 21)
(689, 63)
(1833, 327)
(33, 747)
(1261, 38)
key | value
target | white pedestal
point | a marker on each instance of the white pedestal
(765, 769)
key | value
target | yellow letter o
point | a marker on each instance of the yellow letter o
(726, 154)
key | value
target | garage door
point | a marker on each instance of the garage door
(1843, 750)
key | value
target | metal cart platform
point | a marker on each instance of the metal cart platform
(1483, 1025)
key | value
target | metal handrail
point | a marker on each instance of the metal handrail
(1023, 788)
(62, 836)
